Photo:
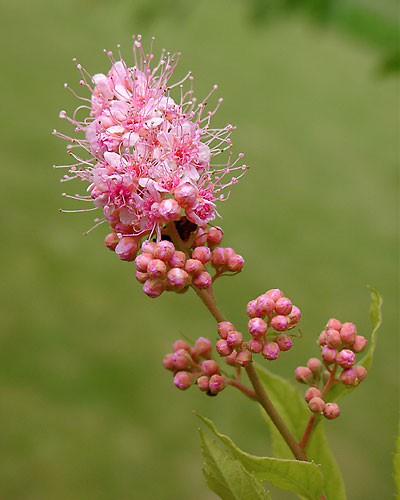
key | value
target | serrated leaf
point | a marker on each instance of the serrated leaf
(303, 478)
(396, 463)
(226, 476)
(340, 390)
(295, 413)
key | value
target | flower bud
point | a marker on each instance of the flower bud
(223, 348)
(142, 277)
(243, 358)
(111, 241)
(235, 263)
(294, 317)
(331, 411)
(312, 392)
(326, 376)
(157, 268)
(170, 210)
(359, 343)
(334, 324)
(224, 328)
(203, 254)
(203, 347)
(360, 372)
(218, 257)
(180, 344)
(322, 338)
(303, 374)
(194, 267)
(148, 247)
(274, 294)
(186, 195)
(216, 384)
(316, 405)
(283, 306)
(255, 346)
(127, 248)
(235, 339)
(168, 363)
(252, 311)
(315, 365)
(348, 377)
(178, 259)
(284, 342)
(346, 358)
(164, 250)
(271, 351)
(348, 333)
(214, 236)
(142, 261)
(329, 354)
(230, 360)
(202, 280)
(280, 323)
(201, 237)
(153, 287)
(333, 338)
(183, 380)
(177, 278)
(257, 327)
(181, 359)
(229, 252)
(265, 305)
(203, 383)
(209, 367)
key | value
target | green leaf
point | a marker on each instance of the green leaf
(340, 390)
(396, 463)
(296, 414)
(303, 478)
(226, 476)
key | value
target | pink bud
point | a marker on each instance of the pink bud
(252, 311)
(294, 317)
(235, 339)
(157, 268)
(243, 358)
(283, 306)
(186, 195)
(322, 338)
(223, 348)
(284, 342)
(255, 346)
(333, 338)
(216, 384)
(316, 405)
(194, 267)
(164, 250)
(230, 360)
(271, 351)
(229, 252)
(303, 374)
(280, 323)
(214, 236)
(142, 261)
(167, 362)
(201, 238)
(257, 327)
(348, 377)
(360, 372)
(180, 344)
(274, 294)
(334, 324)
(348, 333)
(203, 254)
(177, 278)
(331, 411)
(202, 280)
(111, 241)
(183, 380)
(170, 210)
(265, 305)
(315, 365)
(224, 328)
(181, 359)
(329, 354)
(178, 259)
(142, 277)
(235, 263)
(148, 247)
(346, 358)
(203, 347)
(126, 248)
(359, 343)
(218, 258)
(153, 287)
(326, 376)
(312, 392)
(203, 383)
(209, 367)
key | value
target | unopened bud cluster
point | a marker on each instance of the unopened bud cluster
(273, 311)
(193, 365)
(339, 346)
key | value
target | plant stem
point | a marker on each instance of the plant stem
(248, 392)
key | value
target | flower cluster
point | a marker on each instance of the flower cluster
(339, 345)
(148, 147)
(194, 365)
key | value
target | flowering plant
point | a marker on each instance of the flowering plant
(148, 156)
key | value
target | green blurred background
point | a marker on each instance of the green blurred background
(86, 409)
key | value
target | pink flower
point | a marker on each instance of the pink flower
(149, 141)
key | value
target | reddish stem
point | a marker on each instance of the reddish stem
(248, 392)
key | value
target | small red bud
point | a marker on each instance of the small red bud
(331, 411)
(303, 374)
(209, 367)
(203, 383)
(243, 358)
(183, 380)
(216, 384)
(359, 343)
(283, 306)
(312, 392)
(224, 328)
(271, 351)
(280, 323)
(348, 333)
(284, 342)
(316, 405)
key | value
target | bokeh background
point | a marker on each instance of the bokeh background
(87, 412)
